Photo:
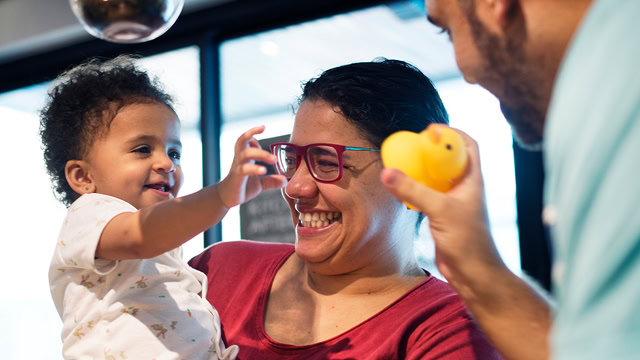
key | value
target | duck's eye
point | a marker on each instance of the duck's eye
(449, 147)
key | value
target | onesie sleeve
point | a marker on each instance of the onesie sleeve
(81, 231)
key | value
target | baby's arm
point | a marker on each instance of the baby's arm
(159, 228)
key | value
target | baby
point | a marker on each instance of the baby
(112, 148)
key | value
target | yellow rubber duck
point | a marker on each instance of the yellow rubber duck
(435, 157)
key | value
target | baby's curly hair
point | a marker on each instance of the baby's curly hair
(80, 107)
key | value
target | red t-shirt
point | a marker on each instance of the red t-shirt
(428, 322)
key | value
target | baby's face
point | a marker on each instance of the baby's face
(138, 159)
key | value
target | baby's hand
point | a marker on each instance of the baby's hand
(246, 179)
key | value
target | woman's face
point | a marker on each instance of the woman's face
(363, 220)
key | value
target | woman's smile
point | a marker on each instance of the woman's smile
(318, 219)
(315, 223)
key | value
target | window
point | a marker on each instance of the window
(31, 221)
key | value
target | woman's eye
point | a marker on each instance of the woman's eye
(327, 163)
(290, 160)
(174, 154)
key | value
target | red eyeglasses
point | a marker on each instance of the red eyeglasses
(323, 160)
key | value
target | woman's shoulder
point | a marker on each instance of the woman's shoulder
(435, 293)
(434, 286)
(240, 253)
(437, 321)
(245, 248)
(433, 304)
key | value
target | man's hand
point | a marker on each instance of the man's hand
(458, 219)
(514, 315)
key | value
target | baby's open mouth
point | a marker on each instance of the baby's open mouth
(164, 187)
(318, 219)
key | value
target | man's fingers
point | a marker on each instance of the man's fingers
(410, 191)
(473, 169)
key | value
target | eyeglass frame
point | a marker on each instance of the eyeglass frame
(340, 149)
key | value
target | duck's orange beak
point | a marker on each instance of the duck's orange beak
(434, 134)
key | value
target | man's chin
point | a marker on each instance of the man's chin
(526, 126)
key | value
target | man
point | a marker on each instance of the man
(568, 70)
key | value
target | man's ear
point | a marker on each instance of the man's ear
(501, 12)
(78, 177)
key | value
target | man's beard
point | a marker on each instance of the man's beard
(508, 74)
(524, 134)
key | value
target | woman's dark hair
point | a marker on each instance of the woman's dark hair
(80, 107)
(379, 98)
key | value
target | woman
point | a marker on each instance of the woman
(351, 287)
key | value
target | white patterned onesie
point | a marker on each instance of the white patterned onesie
(129, 309)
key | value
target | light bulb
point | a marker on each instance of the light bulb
(126, 21)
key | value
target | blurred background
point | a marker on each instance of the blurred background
(231, 65)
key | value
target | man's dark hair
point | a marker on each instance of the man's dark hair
(80, 107)
(379, 98)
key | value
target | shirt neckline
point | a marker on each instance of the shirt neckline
(265, 289)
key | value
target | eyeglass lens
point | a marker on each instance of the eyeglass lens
(323, 161)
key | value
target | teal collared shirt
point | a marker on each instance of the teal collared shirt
(592, 189)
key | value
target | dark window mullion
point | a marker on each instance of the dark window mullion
(211, 120)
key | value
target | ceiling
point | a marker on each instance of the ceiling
(261, 73)
(32, 26)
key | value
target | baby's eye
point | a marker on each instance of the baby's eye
(143, 149)
(175, 154)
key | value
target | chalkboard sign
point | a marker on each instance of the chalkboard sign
(267, 217)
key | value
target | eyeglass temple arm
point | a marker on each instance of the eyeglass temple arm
(359, 149)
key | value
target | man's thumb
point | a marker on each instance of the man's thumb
(409, 191)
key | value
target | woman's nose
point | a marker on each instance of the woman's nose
(302, 184)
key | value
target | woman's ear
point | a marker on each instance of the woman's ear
(77, 174)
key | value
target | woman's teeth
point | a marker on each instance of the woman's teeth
(318, 219)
